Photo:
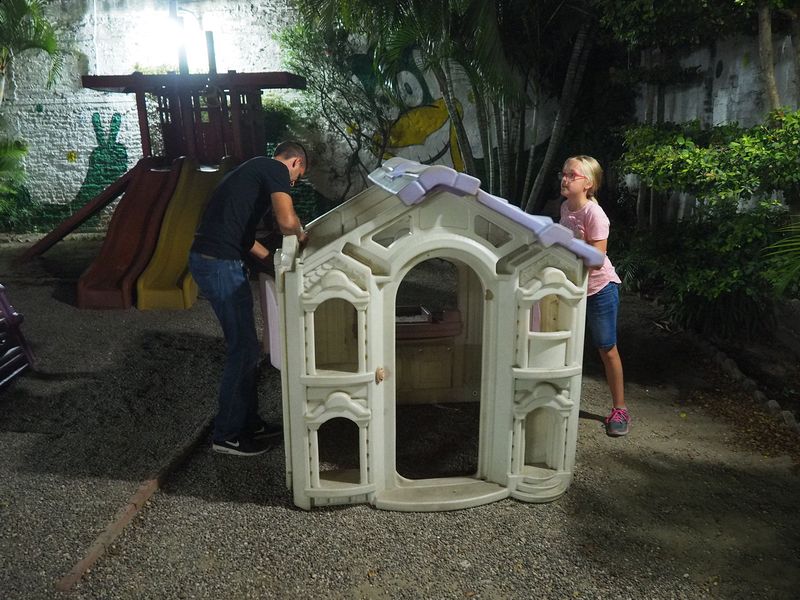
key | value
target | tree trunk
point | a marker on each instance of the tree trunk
(518, 153)
(483, 129)
(502, 147)
(497, 184)
(658, 200)
(794, 19)
(455, 119)
(526, 186)
(5, 57)
(796, 44)
(765, 55)
(569, 95)
(643, 195)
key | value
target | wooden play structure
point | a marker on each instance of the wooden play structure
(206, 124)
(346, 350)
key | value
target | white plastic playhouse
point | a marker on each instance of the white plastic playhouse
(347, 351)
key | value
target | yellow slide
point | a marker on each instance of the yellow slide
(166, 282)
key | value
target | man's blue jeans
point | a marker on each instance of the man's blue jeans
(224, 283)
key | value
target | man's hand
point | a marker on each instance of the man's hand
(302, 237)
(259, 251)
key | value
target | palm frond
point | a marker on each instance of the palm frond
(24, 26)
(11, 172)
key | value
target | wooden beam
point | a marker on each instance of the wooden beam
(71, 223)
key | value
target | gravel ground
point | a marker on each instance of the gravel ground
(684, 507)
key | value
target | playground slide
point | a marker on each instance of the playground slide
(130, 239)
(95, 205)
(166, 282)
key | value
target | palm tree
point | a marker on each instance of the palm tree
(787, 249)
(569, 95)
(23, 26)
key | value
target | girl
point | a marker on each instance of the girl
(580, 179)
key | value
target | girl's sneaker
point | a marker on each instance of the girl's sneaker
(618, 423)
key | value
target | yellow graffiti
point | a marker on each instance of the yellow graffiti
(72, 156)
(416, 125)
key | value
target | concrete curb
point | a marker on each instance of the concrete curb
(135, 503)
(728, 366)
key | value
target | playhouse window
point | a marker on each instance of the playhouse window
(338, 444)
(335, 336)
(389, 235)
(545, 438)
(494, 234)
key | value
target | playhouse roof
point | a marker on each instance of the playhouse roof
(411, 182)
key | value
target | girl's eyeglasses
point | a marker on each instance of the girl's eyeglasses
(570, 177)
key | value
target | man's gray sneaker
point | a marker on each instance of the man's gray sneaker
(242, 446)
(267, 431)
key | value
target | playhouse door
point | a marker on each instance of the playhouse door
(438, 373)
(434, 399)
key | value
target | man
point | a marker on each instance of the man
(225, 237)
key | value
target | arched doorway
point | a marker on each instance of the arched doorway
(438, 358)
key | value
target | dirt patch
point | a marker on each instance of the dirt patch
(655, 353)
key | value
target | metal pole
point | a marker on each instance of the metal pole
(212, 57)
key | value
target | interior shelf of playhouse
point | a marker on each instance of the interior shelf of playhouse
(417, 322)
(451, 493)
(534, 373)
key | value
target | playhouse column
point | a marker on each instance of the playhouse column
(502, 329)
(293, 331)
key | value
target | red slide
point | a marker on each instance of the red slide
(130, 240)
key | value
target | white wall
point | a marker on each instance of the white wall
(731, 90)
(110, 37)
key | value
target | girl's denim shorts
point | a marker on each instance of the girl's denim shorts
(601, 316)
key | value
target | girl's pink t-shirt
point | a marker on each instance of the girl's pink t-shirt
(590, 223)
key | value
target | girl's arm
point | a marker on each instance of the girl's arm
(601, 245)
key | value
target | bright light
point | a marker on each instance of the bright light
(159, 38)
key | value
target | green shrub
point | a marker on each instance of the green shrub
(17, 211)
(712, 272)
(20, 213)
(723, 163)
(279, 118)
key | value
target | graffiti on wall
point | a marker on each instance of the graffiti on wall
(107, 162)
(422, 131)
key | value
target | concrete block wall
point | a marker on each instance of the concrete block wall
(731, 86)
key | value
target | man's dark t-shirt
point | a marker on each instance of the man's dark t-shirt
(228, 227)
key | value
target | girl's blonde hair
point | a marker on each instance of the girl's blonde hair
(591, 170)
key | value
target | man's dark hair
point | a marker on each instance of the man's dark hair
(291, 150)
